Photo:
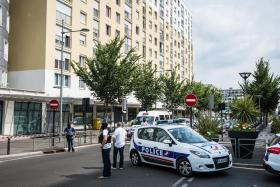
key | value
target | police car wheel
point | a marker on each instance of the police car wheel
(135, 158)
(184, 167)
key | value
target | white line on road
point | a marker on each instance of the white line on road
(185, 185)
(190, 179)
(256, 169)
(178, 181)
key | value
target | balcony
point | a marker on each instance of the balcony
(61, 16)
(95, 33)
(127, 16)
(59, 41)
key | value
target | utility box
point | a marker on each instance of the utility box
(96, 124)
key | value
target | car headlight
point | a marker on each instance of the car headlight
(200, 154)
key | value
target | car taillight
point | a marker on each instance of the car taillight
(274, 150)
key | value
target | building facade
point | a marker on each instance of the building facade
(228, 95)
(160, 30)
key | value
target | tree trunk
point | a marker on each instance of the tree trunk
(106, 111)
(266, 118)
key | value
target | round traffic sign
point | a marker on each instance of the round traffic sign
(54, 104)
(190, 100)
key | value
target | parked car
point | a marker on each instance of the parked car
(182, 121)
(271, 161)
(178, 147)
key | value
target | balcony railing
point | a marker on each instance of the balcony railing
(127, 16)
(61, 16)
(128, 3)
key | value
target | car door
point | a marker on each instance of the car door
(144, 143)
(163, 153)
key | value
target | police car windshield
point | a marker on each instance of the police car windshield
(186, 135)
(149, 119)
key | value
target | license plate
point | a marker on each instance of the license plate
(222, 160)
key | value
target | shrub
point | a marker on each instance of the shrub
(275, 126)
(207, 126)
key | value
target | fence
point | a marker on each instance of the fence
(41, 143)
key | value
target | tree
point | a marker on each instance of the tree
(267, 85)
(109, 74)
(146, 86)
(172, 91)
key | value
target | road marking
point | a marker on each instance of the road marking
(21, 158)
(178, 181)
(190, 179)
(256, 169)
(185, 185)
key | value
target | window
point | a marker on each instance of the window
(150, 11)
(6, 49)
(118, 2)
(82, 39)
(127, 15)
(137, 30)
(137, 15)
(82, 60)
(144, 51)
(84, 1)
(146, 134)
(66, 60)
(63, 12)
(66, 80)
(155, 40)
(137, 1)
(150, 24)
(127, 45)
(150, 52)
(83, 17)
(108, 30)
(155, 26)
(95, 29)
(150, 38)
(95, 9)
(82, 85)
(155, 54)
(137, 45)
(156, 15)
(118, 18)
(108, 12)
(160, 135)
(117, 33)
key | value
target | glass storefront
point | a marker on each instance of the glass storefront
(27, 118)
(66, 117)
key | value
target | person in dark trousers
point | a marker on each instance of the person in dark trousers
(70, 134)
(106, 148)
(119, 143)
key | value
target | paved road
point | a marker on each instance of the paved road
(83, 167)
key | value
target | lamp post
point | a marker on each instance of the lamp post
(61, 68)
(245, 76)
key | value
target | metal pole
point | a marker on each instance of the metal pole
(61, 78)
(222, 125)
(9, 146)
(191, 117)
(85, 127)
(53, 128)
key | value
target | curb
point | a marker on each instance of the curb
(21, 154)
(257, 166)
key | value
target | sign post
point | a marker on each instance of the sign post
(53, 105)
(190, 101)
(85, 107)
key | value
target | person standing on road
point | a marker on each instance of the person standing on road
(70, 134)
(106, 148)
(119, 143)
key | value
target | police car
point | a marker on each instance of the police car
(178, 147)
(271, 160)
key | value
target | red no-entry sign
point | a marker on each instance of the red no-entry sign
(54, 104)
(190, 100)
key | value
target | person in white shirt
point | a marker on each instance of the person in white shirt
(119, 143)
(106, 147)
(144, 122)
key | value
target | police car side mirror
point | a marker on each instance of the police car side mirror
(169, 142)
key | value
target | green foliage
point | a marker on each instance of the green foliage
(275, 126)
(109, 74)
(203, 92)
(265, 84)
(146, 86)
(207, 126)
(244, 110)
(172, 90)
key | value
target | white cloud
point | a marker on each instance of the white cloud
(230, 36)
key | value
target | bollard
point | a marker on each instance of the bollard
(90, 137)
(33, 144)
(8, 145)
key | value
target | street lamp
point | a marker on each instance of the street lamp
(245, 76)
(61, 67)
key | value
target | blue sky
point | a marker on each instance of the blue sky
(229, 37)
